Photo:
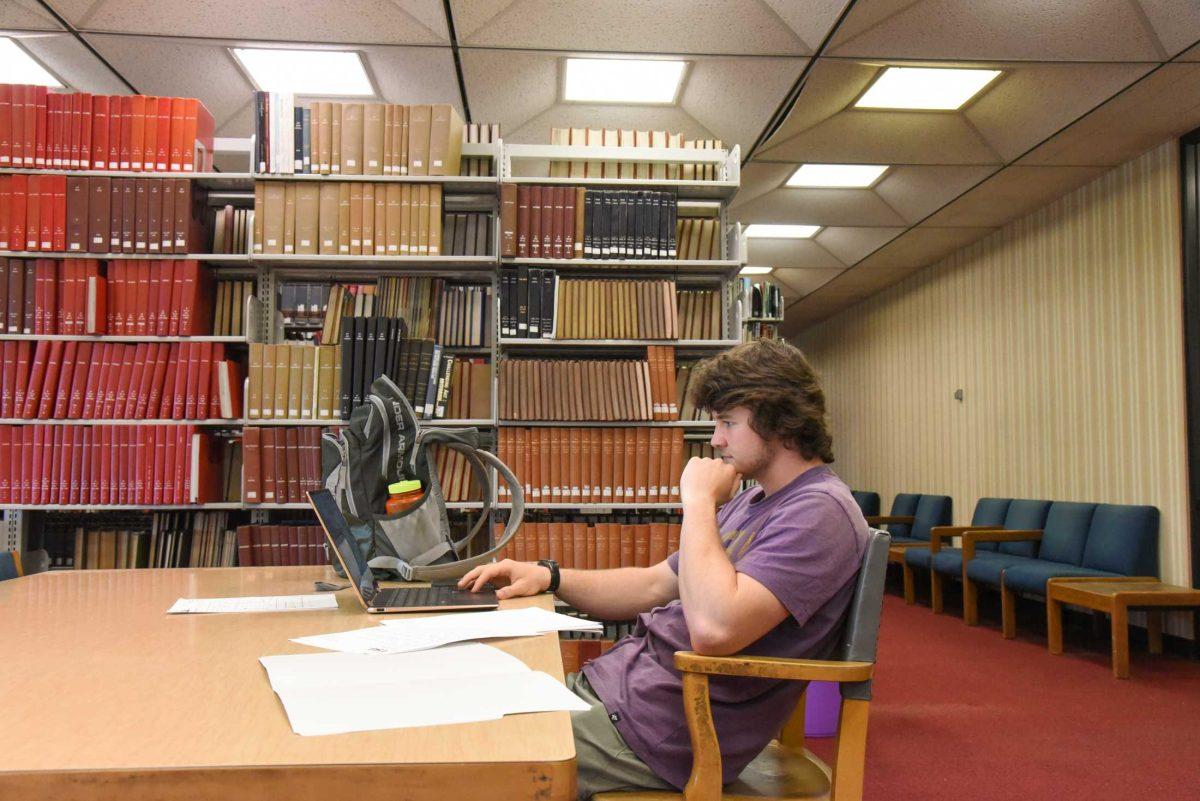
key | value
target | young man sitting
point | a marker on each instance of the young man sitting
(769, 572)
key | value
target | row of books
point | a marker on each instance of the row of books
(578, 652)
(600, 389)
(600, 546)
(631, 170)
(683, 385)
(348, 138)
(231, 229)
(348, 218)
(699, 238)
(453, 314)
(564, 222)
(455, 477)
(99, 465)
(280, 545)
(98, 214)
(229, 317)
(594, 465)
(279, 465)
(479, 133)
(756, 331)
(80, 131)
(294, 381)
(760, 298)
(467, 233)
(70, 380)
(469, 388)
(181, 539)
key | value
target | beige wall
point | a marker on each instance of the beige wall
(1064, 331)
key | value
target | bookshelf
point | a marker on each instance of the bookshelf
(515, 164)
(762, 307)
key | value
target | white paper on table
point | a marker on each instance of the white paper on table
(393, 640)
(465, 660)
(430, 702)
(258, 603)
(530, 618)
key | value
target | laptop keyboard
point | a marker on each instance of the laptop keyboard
(437, 595)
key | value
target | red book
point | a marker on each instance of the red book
(83, 457)
(17, 128)
(245, 548)
(156, 473)
(111, 381)
(139, 465)
(8, 377)
(144, 379)
(85, 131)
(101, 450)
(21, 377)
(137, 134)
(66, 377)
(31, 115)
(76, 122)
(177, 283)
(252, 464)
(92, 381)
(178, 400)
(116, 297)
(54, 106)
(176, 153)
(72, 444)
(153, 295)
(169, 460)
(6, 468)
(22, 490)
(124, 379)
(126, 141)
(58, 215)
(163, 143)
(295, 464)
(18, 198)
(267, 469)
(6, 93)
(115, 108)
(117, 466)
(99, 149)
(37, 377)
(167, 398)
(183, 463)
(197, 137)
(60, 125)
(60, 477)
(205, 462)
(149, 133)
(33, 458)
(96, 312)
(46, 215)
(157, 388)
(136, 378)
(142, 297)
(5, 211)
(203, 382)
(39, 143)
(79, 377)
(33, 211)
(189, 273)
(166, 276)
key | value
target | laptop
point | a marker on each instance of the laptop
(436, 598)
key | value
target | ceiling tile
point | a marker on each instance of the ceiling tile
(915, 192)
(791, 253)
(852, 245)
(1164, 104)
(73, 63)
(1191, 54)
(811, 19)
(1176, 23)
(759, 178)
(919, 247)
(735, 97)
(831, 85)
(665, 26)
(1011, 193)
(1030, 102)
(300, 21)
(801, 282)
(1034, 30)
(26, 15)
(819, 207)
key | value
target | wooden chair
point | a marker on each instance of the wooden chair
(786, 769)
(10, 565)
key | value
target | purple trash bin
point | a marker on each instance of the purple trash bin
(822, 701)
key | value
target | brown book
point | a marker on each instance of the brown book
(274, 198)
(328, 213)
(423, 208)
(267, 460)
(295, 380)
(445, 140)
(308, 364)
(657, 543)
(260, 191)
(389, 117)
(392, 219)
(289, 217)
(676, 466)
(254, 401)
(252, 465)
(373, 139)
(154, 217)
(307, 215)
(368, 219)
(508, 220)
(435, 220)
(419, 123)
(99, 225)
(336, 152)
(279, 393)
(380, 222)
(343, 225)
(641, 545)
(536, 220)
(352, 139)
(127, 209)
(141, 215)
(356, 218)
(267, 401)
(400, 142)
(407, 217)
(326, 123)
(641, 481)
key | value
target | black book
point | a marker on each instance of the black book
(379, 363)
(549, 282)
(639, 225)
(354, 367)
(589, 223)
(535, 303)
(522, 301)
(298, 137)
(260, 130)
(347, 367)
(306, 139)
(508, 291)
(672, 214)
(424, 366)
(369, 339)
(627, 222)
(650, 232)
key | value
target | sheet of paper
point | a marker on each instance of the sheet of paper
(531, 618)
(431, 702)
(261, 603)
(453, 662)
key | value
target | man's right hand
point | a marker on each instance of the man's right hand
(515, 579)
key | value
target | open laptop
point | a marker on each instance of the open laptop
(435, 598)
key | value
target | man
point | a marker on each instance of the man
(771, 573)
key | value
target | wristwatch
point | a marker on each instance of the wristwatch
(552, 566)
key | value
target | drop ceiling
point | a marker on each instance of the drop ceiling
(1086, 85)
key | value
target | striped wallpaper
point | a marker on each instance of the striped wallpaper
(1064, 331)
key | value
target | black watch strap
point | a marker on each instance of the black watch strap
(552, 566)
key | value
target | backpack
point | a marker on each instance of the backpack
(384, 443)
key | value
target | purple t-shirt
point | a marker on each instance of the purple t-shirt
(804, 544)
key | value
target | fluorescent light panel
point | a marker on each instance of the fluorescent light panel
(306, 72)
(17, 66)
(760, 231)
(929, 88)
(837, 175)
(622, 80)
(751, 269)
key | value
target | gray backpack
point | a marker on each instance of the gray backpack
(384, 443)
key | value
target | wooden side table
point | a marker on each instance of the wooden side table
(1117, 596)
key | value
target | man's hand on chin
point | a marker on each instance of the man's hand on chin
(711, 482)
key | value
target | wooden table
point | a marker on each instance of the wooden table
(105, 696)
(1117, 596)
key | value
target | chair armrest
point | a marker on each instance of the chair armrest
(939, 533)
(879, 520)
(774, 668)
(995, 535)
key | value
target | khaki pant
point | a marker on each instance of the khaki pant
(603, 759)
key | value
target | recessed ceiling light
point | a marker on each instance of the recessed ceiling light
(837, 175)
(622, 80)
(17, 66)
(760, 231)
(751, 269)
(327, 73)
(938, 89)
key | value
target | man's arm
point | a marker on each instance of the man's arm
(610, 594)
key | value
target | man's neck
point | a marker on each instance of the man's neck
(785, 468)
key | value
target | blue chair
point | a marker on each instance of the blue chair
(899, 521)
(10, 565)
(928, 512)
(868, 502)
(989, 514)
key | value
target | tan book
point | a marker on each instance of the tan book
(273, 201)
(389, 112)
(295, 394)
(254, 395)
(610, 169)
(674, 140)
(407, 217)
(626, 169)
(642, 169)
(714, 317)
(577, 168)
(308, 210)
(283, 367)
(508, 219)
(401, 143)
(559, 169)
(372, 139)
(267, 410)
(336, 110)
(423, 208)
(356, 218)
(315, 137)
(380, 231)
(595, 138)
(289, 217)
(344, 218)
(420, 120)
(352, 139)
(260, 190)
(326, 386)
(392, 217)
(628, 471)
(308, 367)
(328, 213)
(435, 220)
(445, 140)
(326, 125)
(368, 219)
(335, 396)
(641, 467)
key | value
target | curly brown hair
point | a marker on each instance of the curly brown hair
(776, 383)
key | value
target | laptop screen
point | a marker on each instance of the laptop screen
(340, 535)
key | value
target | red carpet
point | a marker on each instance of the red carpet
(962, 714)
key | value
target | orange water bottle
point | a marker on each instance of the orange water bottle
(404, 495)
